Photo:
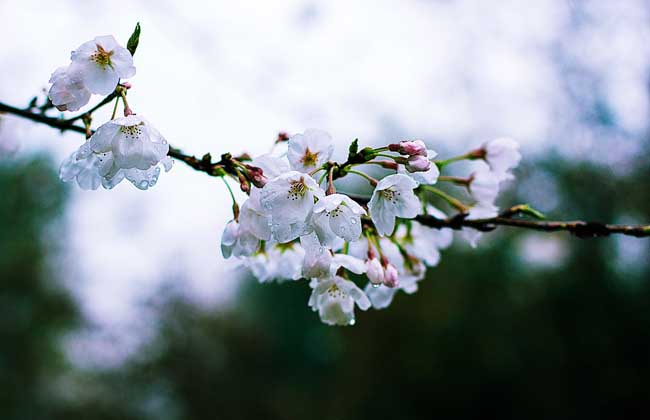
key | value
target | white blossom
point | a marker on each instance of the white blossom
(393, 197)
(476, 212)
(444, 237)
(253, 218)
(502, 155)
(279, 262)
(289, 200)
(144, 179)
(343, 215)
(421, 242)
(122, 148)
(237, 242)
(82, 168)
(134, 143)
(334, 300)
(484, 186)
(310, 150)
(318, 258)
(349, 262)
(101, 63)
(272, 166)
(68, 92)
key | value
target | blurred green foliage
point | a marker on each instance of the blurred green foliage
(35, 311)
(488, 334)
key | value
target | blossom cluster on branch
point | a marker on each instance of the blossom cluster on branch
(354, 251)
(128, 147)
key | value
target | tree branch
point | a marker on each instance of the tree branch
(68, 125)
(224, 166)
(578, 228)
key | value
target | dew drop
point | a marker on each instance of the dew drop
(143, 184)
(376, 285)
(353, 221)
(352, 322)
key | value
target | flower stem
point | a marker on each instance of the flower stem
(370, 179)
(448, 198)
(386, 156)
(455, 179)
(322, 178)
(383, 163)
(117, 101)
(442, 163)
(331, 189)
(127, 109)
(315, 171)
(235, 206)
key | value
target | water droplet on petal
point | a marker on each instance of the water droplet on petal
(143, 184)
(352, 322)
(376, 285)
(353, 221)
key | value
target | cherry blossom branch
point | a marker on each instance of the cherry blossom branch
(288, 217)
(203, 165)
(224, 166)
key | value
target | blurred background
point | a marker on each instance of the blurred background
(118, 305)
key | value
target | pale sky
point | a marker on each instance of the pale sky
(217, 76)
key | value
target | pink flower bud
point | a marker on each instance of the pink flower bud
(413, 148)
(418, 163)
(374, 271)
(282, 136)
(390, 276)
(257, 176)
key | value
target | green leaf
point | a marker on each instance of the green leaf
(132, 44)
(526, 209)
(533, 212)
(354, 147)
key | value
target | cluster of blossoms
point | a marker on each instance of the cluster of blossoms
(354, 251)
(126, 147)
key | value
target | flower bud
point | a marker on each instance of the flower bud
(282, 136)
(418, 163)
(409, 147)
(374, 271)
(390, 276)
(257, 176)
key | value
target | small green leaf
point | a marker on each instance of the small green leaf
(527, 209)
(132, 44)
(354, 147)
(533, 212)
